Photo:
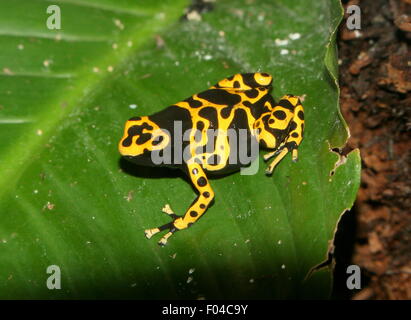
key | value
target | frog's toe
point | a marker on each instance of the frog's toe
(167, 210)
(171, 227)
(151, 232)
(294, 155)
(164, 239)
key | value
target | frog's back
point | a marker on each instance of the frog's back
(209, 127)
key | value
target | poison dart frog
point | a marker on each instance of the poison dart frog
(238, 103)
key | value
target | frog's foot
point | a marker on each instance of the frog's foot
(279, 154)
(170, 226)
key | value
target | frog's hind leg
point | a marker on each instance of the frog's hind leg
(194, 212)
(203, 200)
(294, 138)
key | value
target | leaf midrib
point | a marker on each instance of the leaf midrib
(15, 160)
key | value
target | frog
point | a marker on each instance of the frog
(239, 102)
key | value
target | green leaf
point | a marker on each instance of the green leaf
(67, 199)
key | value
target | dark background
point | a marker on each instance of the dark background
(375, 81)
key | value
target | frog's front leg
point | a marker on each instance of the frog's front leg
(194, 212)
(295, 135)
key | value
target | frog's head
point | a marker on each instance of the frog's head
(246, 81)
(273, 126)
